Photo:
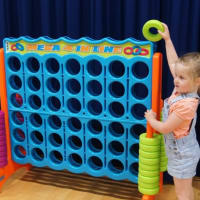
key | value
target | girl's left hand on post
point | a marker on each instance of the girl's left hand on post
(149, 114)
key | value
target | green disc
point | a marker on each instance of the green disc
(152, 24)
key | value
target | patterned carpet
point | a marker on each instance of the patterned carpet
(83, 182)
(124, 190)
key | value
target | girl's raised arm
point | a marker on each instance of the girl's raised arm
(172, 56)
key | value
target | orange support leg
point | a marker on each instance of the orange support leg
(148, 197)
(156, 102)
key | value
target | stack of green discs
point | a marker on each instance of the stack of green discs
(149, 164)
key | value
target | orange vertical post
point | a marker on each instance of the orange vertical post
(158, 60)
(156, 103)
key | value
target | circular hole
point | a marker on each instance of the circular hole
(19, 135)
(37, 154)
(16, 100)
(95, 126)
(134, 169)
(116, 109)
(18, 117)
(36, 120)
(53, 85)
(140, 70)
(94, 67)
(75, 160)
(136, 130)
(153, 30)
(56, 157)
(116, 148)
(134, 150)
(138, 111)
(95, 145)
(94, 88)
(34, 102)
(75, 142)
(55, 122)
(14, 63)
(74, 124)
(52, 65)
(55, 139)
(20, 151)
(34, 83)
(54, 103)
(33, 64)
(37, 137)
(73, 66)
(94, 107)
(116, 166)
(116, 129)
(95, 163)
(73, 86)
(74, 105)
(116, 89)
(139, 91)
(116, 69)
(15, 82)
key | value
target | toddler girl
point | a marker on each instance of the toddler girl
(179, 118)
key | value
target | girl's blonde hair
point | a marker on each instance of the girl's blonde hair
(192, 60)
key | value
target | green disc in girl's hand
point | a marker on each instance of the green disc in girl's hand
(152, 24)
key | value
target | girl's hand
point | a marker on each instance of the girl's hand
(149, 114)
(165, 35)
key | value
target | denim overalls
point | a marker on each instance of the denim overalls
(184, 153)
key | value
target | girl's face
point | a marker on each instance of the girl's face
(184, 81)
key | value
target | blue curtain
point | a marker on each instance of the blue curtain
(118, 19)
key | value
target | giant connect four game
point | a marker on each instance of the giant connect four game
(78, 104)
